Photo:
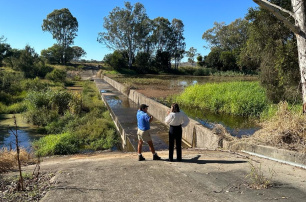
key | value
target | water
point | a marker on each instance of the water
(26, 133)
(236, 125)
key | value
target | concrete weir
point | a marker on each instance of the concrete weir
(194, 135)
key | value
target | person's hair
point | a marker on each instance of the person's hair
(143, 106)
(175, 107)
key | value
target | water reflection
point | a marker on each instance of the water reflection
(235, 125)
(25, 137)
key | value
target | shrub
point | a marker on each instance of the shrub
(97, 134)
(56, 145)
(34, 85)
(57, 75)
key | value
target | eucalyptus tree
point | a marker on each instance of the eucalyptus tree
(178, 44)
(161, 34)
(190, 54)
(78, 52)
(63, 26)
(126, 29)
(295, 20)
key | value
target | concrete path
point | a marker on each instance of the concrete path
(201, 176)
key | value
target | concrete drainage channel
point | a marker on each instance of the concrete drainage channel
(123, 112)
(123, 104)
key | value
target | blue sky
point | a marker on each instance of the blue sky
(20, 20)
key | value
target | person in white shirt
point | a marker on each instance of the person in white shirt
(176, 119)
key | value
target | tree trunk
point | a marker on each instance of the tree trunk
(299, 29)
(299, 14)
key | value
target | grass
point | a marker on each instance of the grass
(8, 159)
(237, 98)
(286, 129)
(258, 179)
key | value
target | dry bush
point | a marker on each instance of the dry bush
(8, 159)
(287, 130)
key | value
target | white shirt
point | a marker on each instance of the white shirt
(176, 119)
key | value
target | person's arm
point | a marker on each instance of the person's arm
(185, 120)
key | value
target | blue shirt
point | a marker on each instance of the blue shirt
(143, 120)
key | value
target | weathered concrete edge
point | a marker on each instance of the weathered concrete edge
(268, 151)
(201, 137)
(125, 141)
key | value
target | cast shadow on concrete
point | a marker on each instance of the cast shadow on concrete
(197, 160)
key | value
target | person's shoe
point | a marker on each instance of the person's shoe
(141, 158)
(156, 157)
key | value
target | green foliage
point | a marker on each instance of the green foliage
(143, 62)
(202, 72)
(191, 54)
(78, 52)
(34, 85)
(54, 54)
(238, 98)
(162, 61)
(15, 108)
(57, 75)
(46, 106)
(272, 46)
(5, 51)
(116, 60)
(97, 134)
(60, 144)
(213, 59)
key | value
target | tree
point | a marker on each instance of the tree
(178, 45)
(116, 60)
(161, 34)
(200, 60)
(63, 27)
(53, 54)
(227, 37)
(190, 54)
(212, 60)
(126, 29)
(78, 52)
(5, 50)
(298, 28)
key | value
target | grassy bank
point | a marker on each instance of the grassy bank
(91, 128)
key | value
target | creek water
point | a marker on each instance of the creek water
(26, 133)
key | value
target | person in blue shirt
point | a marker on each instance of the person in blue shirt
(143, 124)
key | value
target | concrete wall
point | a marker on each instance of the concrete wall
(194, 134)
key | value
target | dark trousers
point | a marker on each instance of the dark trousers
(175, 133)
